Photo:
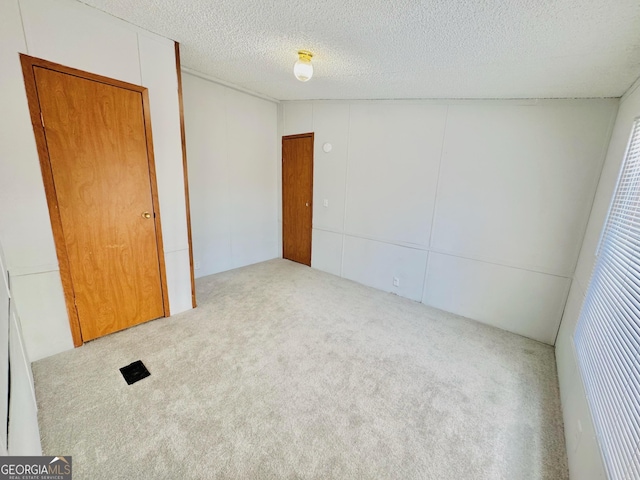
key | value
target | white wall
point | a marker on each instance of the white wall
(477, 207)
(5, 296)
(233, 176)
(585, 462)
(73, 34)
(22, 433)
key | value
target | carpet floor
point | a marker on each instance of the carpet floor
(288, 372)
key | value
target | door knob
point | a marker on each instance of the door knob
(146, 215)
(307, 204)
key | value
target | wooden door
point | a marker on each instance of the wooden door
(297, 196)
(98, 143)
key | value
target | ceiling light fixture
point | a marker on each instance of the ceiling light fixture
(302, 69)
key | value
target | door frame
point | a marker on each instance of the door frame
(293, 137)
(28, 64)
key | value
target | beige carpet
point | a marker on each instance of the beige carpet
(287, 372)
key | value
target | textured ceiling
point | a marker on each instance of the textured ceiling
(403, 48)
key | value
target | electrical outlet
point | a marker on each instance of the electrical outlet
(325, 202)
(196, 265)
(396, 282)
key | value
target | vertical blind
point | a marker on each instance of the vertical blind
(607, 338)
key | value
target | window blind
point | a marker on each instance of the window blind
(607, 338)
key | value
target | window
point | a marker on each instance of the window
(607, 337)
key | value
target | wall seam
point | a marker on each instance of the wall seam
(346, 190)
(435, 197)
(24, 30)
(443, 252)
(139, 57)
(226, 158)
(279, 131)
(561, 312)
(435, 204)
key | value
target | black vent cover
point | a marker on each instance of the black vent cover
(134, 372)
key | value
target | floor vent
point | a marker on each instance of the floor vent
(134, 372)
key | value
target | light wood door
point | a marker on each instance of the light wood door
(297, 195)
(98, 152)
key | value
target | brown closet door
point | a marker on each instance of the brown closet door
(96, 140)
(297, 194)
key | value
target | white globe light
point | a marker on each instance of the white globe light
(302, 69)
